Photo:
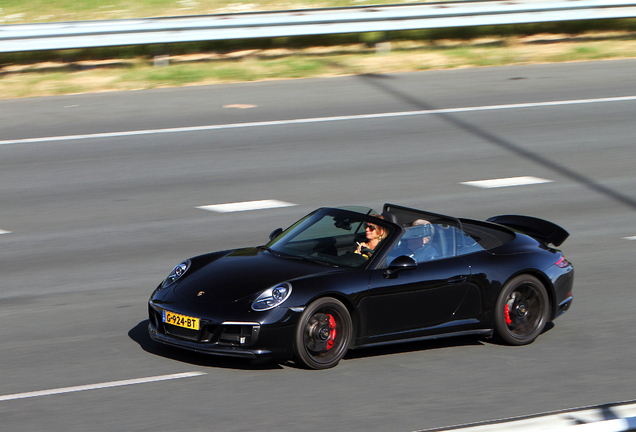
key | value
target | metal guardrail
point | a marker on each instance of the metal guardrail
(92, 34)
(613, 417)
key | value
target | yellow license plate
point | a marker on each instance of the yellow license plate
(181, 320)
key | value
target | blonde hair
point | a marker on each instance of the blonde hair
(381, 230)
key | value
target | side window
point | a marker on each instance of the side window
(444, 240)
(466, 244)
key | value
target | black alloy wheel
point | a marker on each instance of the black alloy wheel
(522, 310)
(323, 334)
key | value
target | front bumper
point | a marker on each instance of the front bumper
(246, 339)
(208, 348)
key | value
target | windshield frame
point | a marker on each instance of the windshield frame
(280, 243)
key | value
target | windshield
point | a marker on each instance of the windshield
(334, 237)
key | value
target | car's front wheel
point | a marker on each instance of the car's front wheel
(522, 310)
(323, 334)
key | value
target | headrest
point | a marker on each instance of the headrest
(390, 217)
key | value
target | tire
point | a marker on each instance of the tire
(522, 310)
(323, 334)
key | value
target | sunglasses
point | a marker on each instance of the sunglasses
(370, 227)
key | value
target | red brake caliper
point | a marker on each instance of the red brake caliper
(332, 332)
(507, 314)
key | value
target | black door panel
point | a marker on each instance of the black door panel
(416, 299)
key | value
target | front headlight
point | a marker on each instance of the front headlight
(272, 297)
(176, 273)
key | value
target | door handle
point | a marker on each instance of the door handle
(458, 280)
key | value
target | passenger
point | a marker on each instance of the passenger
(416, 243)
(375, 234)
(424, 249)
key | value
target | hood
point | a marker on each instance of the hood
(241, 273)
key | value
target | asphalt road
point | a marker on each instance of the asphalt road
(95, 222)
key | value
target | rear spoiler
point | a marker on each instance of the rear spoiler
(534, 227)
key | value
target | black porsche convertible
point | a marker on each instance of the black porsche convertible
(350, 277)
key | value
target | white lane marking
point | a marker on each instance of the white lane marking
(5, 232)
(314, 120)
(246, 206)
(99, 386)
(506, 182)
(239, 106)
(629, 238)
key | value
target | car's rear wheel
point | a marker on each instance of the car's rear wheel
(522, 310)
(323, 334)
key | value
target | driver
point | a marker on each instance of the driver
(375, 234)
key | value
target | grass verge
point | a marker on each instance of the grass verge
(83, 76)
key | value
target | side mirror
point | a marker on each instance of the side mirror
(275, 233)
(399, 264)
